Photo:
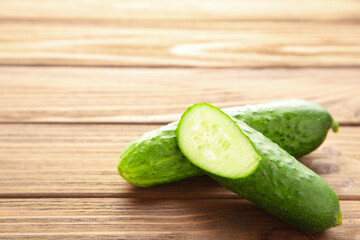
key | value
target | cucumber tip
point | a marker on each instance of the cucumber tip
(339, 219)
(335, 126)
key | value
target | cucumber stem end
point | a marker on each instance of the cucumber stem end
(335, 126)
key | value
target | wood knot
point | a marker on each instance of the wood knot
(347, 183)
(330, 152)
(322, 167)
(357, 113)
(286, 233)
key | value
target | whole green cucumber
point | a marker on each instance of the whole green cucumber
(251, 165)
(298, 126)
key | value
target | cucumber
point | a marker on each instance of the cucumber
(251, 165)
(298, 126)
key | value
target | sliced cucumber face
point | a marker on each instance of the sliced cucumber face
(215, 143)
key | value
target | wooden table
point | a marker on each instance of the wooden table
(81, 79)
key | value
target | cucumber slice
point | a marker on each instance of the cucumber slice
(254, 167)
(216, 143)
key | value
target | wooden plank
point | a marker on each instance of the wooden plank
(156, 219)
(77, 160)
(172, 9)
(184, 43)
(148, 95)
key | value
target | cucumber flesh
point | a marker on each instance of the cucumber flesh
(278, 182)
(217, 144)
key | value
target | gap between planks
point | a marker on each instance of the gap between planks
(341, 124)
(179, 67)
(114, 195)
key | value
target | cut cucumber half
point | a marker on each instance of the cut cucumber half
(217, 143)
(251, 165)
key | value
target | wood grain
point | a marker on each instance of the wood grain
(77, 160)
(186, 9)
(35, 94)
(156, 219)
(96, 75)
(181, 43)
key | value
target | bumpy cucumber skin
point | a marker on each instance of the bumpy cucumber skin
(298, 126)
(155, 159)
(283, 186)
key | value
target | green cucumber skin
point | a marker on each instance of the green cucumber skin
(155, 159)
(283, 186)
(286, 188)
(296, 125)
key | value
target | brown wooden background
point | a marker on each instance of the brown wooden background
(81, 79)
